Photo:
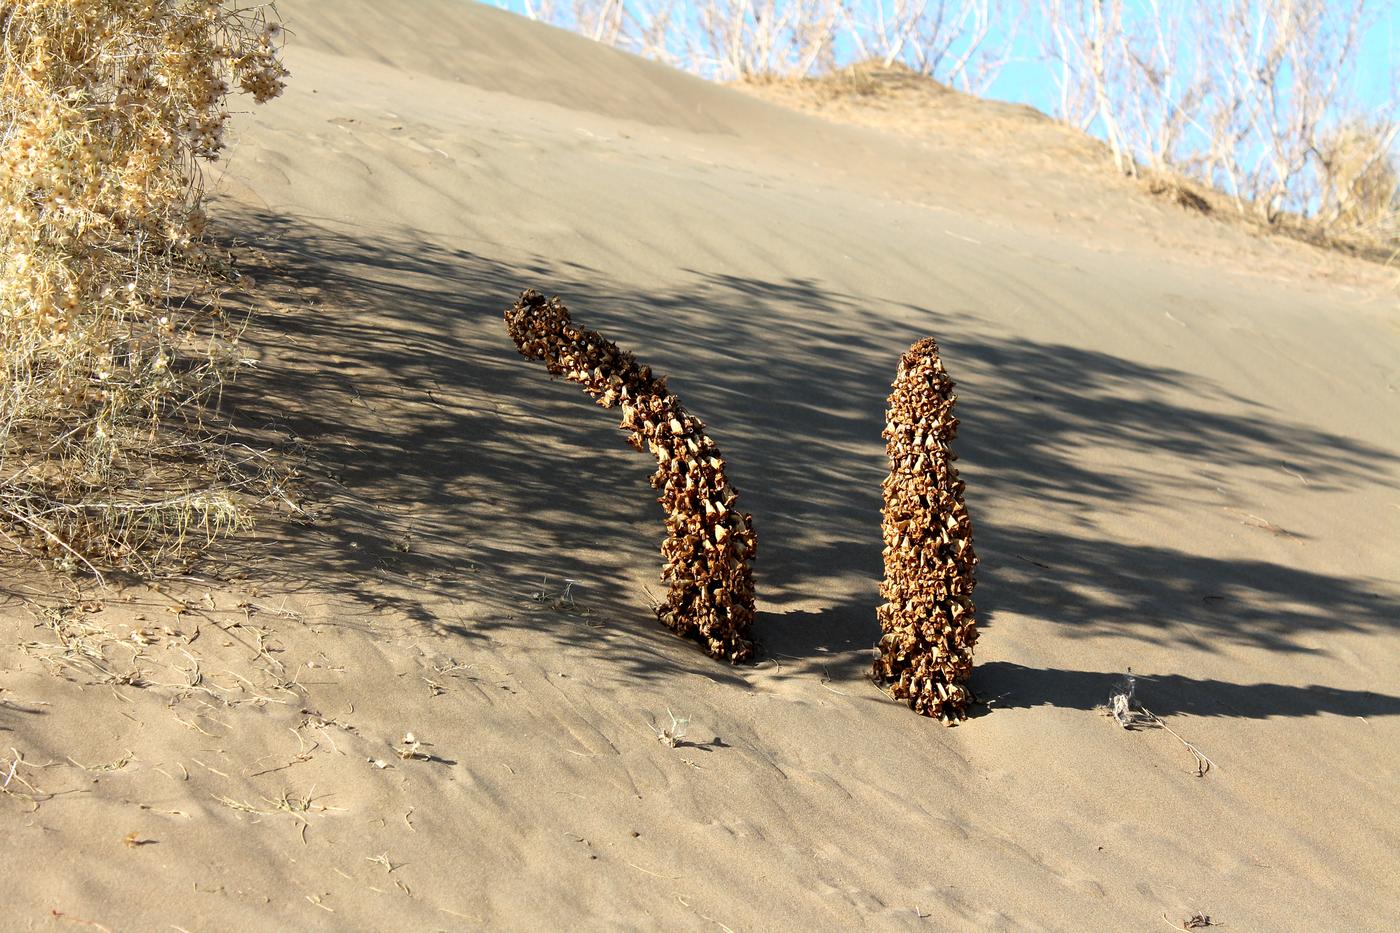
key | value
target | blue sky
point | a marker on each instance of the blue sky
(1028, 81)
(1380, 57)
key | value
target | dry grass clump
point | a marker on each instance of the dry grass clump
(112, 329)
(1361, 196)
(870, 80)
(709, 543)
(928, 618)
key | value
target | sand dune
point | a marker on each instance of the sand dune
(1181, 454)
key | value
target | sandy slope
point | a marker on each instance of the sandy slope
(1183, 461)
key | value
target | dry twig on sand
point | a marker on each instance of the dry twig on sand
(1125, 709)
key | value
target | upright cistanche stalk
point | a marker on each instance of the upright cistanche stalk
(928, 618)
(709, 544)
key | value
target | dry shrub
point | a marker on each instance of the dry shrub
(113, 332)
(1361, 181)
(1180, 190)
(870, 80)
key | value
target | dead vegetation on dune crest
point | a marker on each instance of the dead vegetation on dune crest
(1353, 204)
(113, 325)
(870, 81)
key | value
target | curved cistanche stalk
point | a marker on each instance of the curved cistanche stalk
(928, 618)
(709, 545)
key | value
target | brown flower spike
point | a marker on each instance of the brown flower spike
(928, 618)
(709, 545)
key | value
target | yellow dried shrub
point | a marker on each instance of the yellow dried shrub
(111, 326)
(1361, 176)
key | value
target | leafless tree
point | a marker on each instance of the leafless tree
(1242, 94)
(1250, 96)
(1164, 85)
(1087, 42)
(1279, 80)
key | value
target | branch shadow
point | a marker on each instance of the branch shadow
(1094, 586)
(1011, 686)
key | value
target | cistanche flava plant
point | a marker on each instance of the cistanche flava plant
(112, 327)
(928, 618)
(710, 545)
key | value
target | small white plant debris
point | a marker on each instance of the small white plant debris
(1129, 713)
(383, 859)
(409, 748)
(1120, 701)
(559, 602)
(106, 767)
(134, 678)
(671, 735)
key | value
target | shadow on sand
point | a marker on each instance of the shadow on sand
(462, 473)
(1009, 686)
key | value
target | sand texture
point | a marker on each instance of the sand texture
(430, 696)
